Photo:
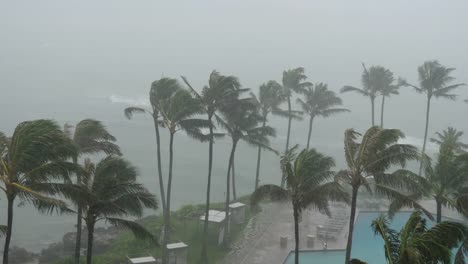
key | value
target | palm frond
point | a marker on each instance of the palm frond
(390, 237)
(269, 191)
(130, 111)
(138, 230)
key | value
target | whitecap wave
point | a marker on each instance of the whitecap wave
(139, 101)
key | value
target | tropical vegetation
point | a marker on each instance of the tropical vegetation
(435, 81)
(309, 183)
(417, 242)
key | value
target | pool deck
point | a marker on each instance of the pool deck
(264, 247)
(260, 242)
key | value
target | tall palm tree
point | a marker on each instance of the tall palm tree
(368, 162)
(177, 109)
(34, 156)
(319, 102)
(293, 82)
(445, 180)
(372, 80)
(434, 81)
(110, 192)
(158, 92)
(452, 137)
(241, 120)
(155, 96)
(386, 88)
(90, 137)
(417, 243)
(309, 182)
(221, 90)
(268, 100)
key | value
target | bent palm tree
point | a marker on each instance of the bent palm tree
(221, 90)
(319, 102)
(445, 180)
(110, 192)
(452, 137)
(241, 121)
(34, 156)
(417, 243)
(293, 82)
(268, 101)
(368, 162)
(158, 92)
(434, 81)
(370, 80)
(90, 137)
(177, 110)
(308, 183)
(387, 87)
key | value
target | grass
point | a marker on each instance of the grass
(186, 228)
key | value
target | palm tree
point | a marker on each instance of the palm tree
(417, 243)
(158, 92)
(293, 82)
(446, 179)
(268, 101)
(90, 137)
(155, 97)
(308, 183)
(34, 156)
(110, 192)
(221, 90)
(177, 109)
(241, 121)
(374, 81)
(367, 163)
(452, 137)
(319, 102)
(387, 87)
(434, 81)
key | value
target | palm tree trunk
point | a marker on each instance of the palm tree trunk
(204, 252)
(9, 230)
(79, 225)
(228, 189)
(296, 234)
(167, 223)
(439, 211)
(161, 179)
(372, 110)
(310, 130)
(382, 111)
(428, 109)
(283, 179)
(158, 156)
(259, 156)
(89, 250)
(351, 225)
(234, 193)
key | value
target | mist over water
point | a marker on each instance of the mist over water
(88, 59)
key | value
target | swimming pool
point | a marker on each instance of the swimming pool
(366, 246)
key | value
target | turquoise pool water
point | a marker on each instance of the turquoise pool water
(366, 246)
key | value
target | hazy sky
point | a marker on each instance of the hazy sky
(61, 53)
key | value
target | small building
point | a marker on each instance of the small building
(237, 211)
(177, 253)
(142, 260)
(216, 223)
